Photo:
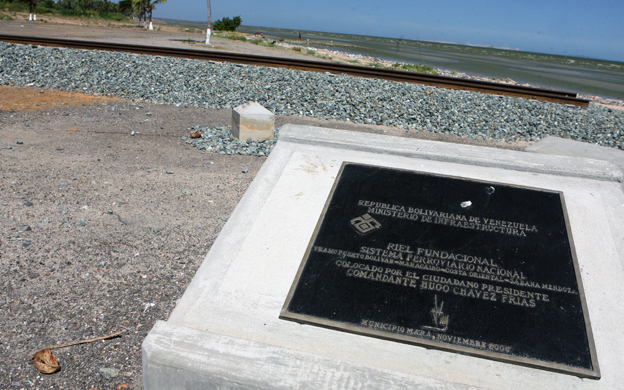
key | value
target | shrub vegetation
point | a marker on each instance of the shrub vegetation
(227, 24)
(428, 69)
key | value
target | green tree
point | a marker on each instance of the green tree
(127, 8)
(151, 6)
(146, 7)
(140, 7)
(32, 4)
(227, 24)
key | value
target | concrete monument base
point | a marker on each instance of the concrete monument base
(225, 331)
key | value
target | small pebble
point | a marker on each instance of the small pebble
(187, 192)
(245, 170)
(108, 373)
(82, 222)
(26, 243)
(225, 219)
(109, 211)
(29, 203)
(169, 172)
(24, 228)
(20, 142)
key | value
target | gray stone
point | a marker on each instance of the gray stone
(291, 92)
(108, 373)
(24, 228)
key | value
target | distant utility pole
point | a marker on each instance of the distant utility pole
(209, 22)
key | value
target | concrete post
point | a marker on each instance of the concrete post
(251, 120)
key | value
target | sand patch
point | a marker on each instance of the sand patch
(35, 99)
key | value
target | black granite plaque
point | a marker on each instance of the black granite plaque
(468, 266)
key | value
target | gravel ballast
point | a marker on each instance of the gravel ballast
(208, 84)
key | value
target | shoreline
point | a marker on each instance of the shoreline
(347, 57)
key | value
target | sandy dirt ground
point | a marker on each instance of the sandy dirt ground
(96, 237)
(168, 36)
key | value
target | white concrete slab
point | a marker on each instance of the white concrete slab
(567, 147)
(225, 331)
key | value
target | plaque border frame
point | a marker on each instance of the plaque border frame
(447, 347)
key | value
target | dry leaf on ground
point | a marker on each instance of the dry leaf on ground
(46, 362)
(196, 134)
(121, 387)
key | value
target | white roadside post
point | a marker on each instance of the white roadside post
(208, 31)
(30, 17)
(151, 27)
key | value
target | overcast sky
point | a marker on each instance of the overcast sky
(573, 28)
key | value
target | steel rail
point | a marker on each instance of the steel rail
(561, 97)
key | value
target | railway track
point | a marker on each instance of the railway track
(314, 66)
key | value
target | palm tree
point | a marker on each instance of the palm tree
(151, 5)
(127, 8)
(209, 23)
(141, 8)
(32, 4)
